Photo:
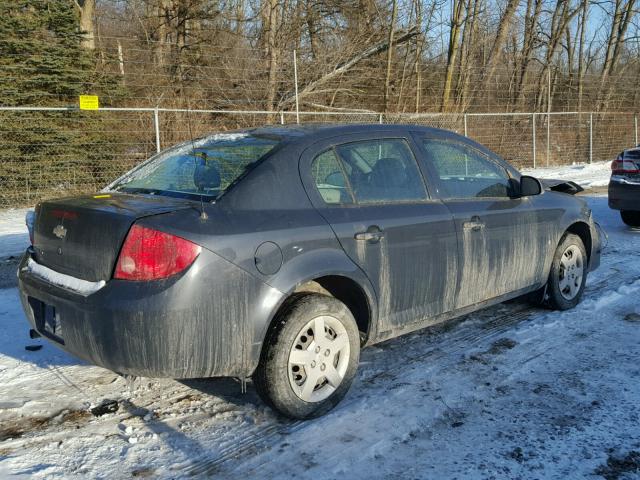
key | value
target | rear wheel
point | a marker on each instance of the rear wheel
(309, 358)
(568, 273)
(630, 217)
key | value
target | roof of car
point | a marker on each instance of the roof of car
(308, 133)
(312, 129)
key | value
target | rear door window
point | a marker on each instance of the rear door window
(463, 172)
(381, 171)
(330, 179)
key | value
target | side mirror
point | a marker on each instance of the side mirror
(529, 186)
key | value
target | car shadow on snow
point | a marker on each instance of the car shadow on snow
(172, 437)
(229, 389)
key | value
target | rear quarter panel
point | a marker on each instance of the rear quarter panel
(268, 211)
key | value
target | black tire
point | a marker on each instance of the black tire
(554, 297)
(271, 378)
(630, 217)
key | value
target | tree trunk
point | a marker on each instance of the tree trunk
(469, 36)
(496, 51)
(582, 27)
(387, 79)
(559, 22)
(86, 10)
(534, 7)
(622, 15)
(454, 47)
(271, 21)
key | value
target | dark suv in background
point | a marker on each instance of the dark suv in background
(624, 186)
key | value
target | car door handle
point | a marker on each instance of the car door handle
(475, 225)
(372, 235)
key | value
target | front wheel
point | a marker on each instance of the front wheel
(568, 273)
(631, 218)
(309, 358)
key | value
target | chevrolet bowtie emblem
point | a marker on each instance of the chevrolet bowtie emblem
(60, 231)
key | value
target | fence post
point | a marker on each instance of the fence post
(281, 117)
(295, 78)
(380, 119)
(465, 125)
(548, 136)
(591, 138)
(533, 129)
(635, 127)
(156, 127)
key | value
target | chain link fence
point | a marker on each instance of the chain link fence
(49, 152)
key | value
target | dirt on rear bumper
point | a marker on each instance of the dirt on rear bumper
(188, 326)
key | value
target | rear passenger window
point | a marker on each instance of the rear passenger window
(463, 172)
(382, 171)
(329, 178)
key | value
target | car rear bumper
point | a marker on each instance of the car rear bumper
(198, 324)
(624, 195)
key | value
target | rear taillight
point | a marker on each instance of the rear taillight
(624, 166)
(148, 254)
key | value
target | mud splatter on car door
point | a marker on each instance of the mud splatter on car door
(374, 198)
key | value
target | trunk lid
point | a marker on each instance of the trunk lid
(82, 236)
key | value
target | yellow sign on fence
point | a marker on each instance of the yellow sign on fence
(89, 102)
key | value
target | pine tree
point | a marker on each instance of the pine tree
(43, 63)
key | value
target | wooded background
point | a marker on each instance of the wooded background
(402, 58)
(375, 55)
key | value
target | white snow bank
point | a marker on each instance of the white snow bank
(586, 175)
(14, 236)
(77, 285)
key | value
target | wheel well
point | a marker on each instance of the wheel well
(582, 230)
(348, 292)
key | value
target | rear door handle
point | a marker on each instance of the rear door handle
(475, 224)
(372, 235)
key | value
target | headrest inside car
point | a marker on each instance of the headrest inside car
(206, 176)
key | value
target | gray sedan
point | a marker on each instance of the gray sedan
(277, 253)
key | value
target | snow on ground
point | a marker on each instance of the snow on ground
(14, 236)
(587, 175)
(508, 392)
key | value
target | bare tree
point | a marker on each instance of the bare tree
(86, 10)
(498, 44)
(620, 19)
(457, 14)
(394, 12)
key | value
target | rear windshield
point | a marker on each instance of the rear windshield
(205, 167)
(632, 154)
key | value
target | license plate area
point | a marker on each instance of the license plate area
(47, 320)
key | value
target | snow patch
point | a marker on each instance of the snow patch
(586, 175)
(77, 285)
(14, 236)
